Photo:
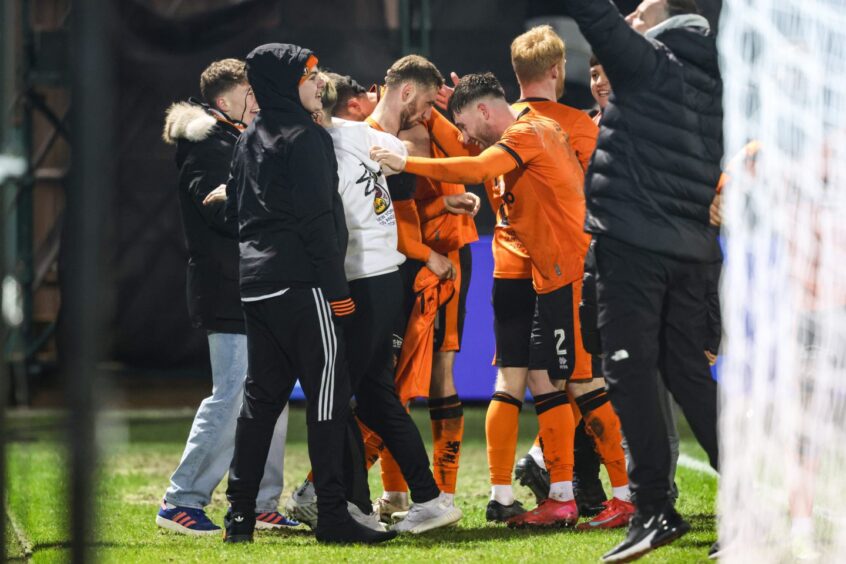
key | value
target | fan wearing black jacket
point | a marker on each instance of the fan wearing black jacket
(648, 190)
(283, 189)
(205, 133)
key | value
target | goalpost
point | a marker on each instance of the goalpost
(783, 384)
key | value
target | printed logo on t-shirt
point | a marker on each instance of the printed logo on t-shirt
(372, 181)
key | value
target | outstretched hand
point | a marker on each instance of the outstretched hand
(445, 92)
(388, 159)
(462, 204)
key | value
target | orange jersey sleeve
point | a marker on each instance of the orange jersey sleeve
(409, 239)
(583, 136)
(491, 163)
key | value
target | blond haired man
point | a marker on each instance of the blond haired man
(538, 57)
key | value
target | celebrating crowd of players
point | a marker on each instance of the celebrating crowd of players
(329, 226)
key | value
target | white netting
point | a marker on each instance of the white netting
(783, 386)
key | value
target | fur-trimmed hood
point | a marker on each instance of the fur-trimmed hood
(189, 121)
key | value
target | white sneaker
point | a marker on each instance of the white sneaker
(432, 514)
(370, 521)
(386, 506)
(302, 505)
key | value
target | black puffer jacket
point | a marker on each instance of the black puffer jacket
(203, 151)
(657, 159)
(283, 186)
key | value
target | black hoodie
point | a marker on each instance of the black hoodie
(284, 186)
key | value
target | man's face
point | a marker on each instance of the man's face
(475, 125)
(239, 103)
(418, 101)
(366, 103)
(311, 90)
(647, 15)
(599, 85)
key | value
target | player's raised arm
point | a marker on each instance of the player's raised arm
(491, 163)
(625, 53)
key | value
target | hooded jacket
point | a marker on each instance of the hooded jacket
(283, 186)
(204, 142)
(372, 226)
(657, 160)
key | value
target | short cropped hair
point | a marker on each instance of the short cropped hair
(416, 69)
(593, 60)
(533, 52)
(220, 77)
(472, 87)
(346, 88)
(679, 7)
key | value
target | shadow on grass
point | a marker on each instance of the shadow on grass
(702, 522)
(66, 544)
(466, 535)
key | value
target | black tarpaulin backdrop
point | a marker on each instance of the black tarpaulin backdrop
(159, 61)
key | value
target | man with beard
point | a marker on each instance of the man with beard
(431, 236)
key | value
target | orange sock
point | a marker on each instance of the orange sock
(447, 415)
(501, 426)
(555, 419)
(392, 479)
(603, 425)
(373, 444)
(537, 442)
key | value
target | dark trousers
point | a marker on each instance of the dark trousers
(289, 337)
(653, 320)
(370, 355)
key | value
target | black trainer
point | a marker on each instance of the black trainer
(238, 527)
(529, 474)
(351, 532)
(499, 513)
(648, 532)
(589, 497)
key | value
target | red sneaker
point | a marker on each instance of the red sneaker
(548, 513)
(616, 514)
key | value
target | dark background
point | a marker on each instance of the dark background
(159, 59)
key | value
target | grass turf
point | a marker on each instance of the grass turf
(143, 451)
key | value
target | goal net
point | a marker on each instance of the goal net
(783, 384)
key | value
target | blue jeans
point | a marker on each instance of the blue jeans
(212, 439)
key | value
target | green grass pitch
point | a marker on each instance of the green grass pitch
(142, 450)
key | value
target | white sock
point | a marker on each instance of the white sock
(397, 498)
(448, 498)
(502, 494)
(561, 491)
(622, 492)
(536, 452)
